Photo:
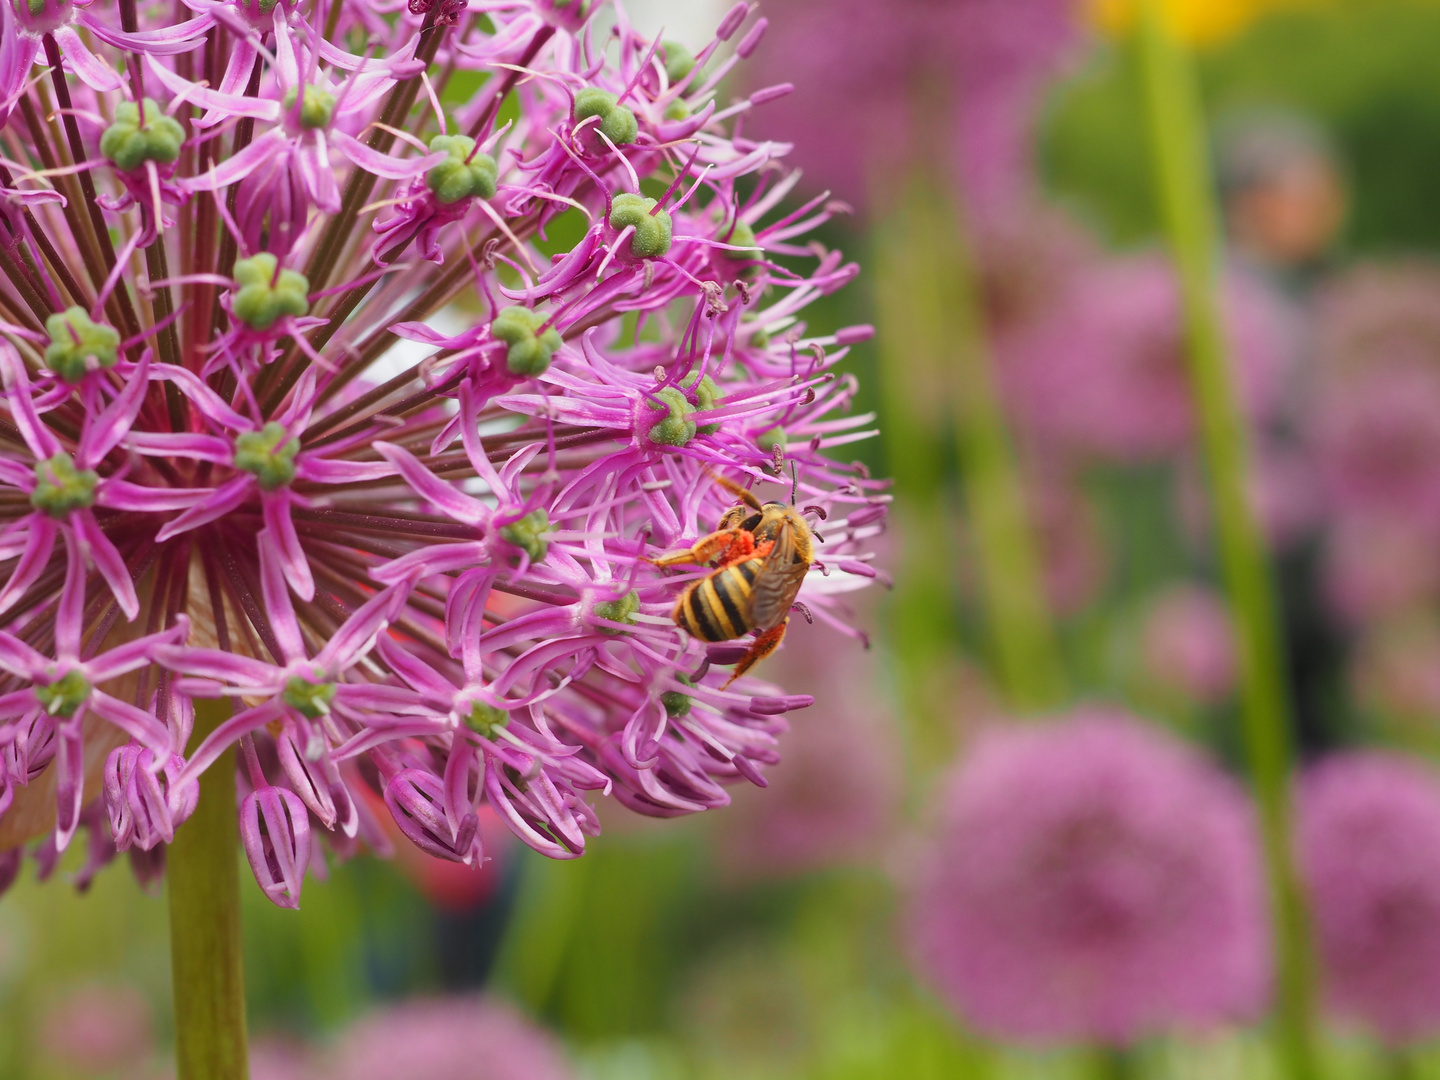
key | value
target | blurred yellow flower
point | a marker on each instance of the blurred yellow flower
(1198, 22)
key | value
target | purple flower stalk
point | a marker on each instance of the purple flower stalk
(223, 490)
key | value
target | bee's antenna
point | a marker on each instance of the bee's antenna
(794, 483)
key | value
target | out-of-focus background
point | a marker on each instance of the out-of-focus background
(921, 892)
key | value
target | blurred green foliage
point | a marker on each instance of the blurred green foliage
(1364, 70)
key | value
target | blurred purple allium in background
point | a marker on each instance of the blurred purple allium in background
(1374, 421)
(461, 1038)
(872, 80)
(831, 804)
(1368, 848)
(1395, 669)
(1072, 547)
(1188, 643)
(1094, 879)
(97, 1030)
(1103, 373)
(837, 800)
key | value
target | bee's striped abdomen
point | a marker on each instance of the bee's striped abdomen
(718, 608)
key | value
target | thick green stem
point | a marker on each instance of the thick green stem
(934, 347)
(922, 633)
(1182, 178)
(203, 875)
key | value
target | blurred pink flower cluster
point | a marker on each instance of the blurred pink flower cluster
(1094, 879)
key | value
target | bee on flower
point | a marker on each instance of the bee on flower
(238, 534)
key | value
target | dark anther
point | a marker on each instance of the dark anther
(818, 511)
(797, 606)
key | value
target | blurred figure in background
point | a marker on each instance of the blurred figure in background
(1282, 189)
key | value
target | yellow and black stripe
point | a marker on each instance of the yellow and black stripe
(718, 608)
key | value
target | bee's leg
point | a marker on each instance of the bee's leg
(727, 542)
(766, 642)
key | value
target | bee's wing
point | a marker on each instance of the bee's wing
(778, 582)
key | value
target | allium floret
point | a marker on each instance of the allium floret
(79, 345)
(141, 133)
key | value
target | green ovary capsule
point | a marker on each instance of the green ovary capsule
(316, 110)
(651, 238)
(530, 352)
(677, 428)
(128, 143)
(466, 174)
(485, 720)
(79, 345)
(268, 453)
(65, 695)
(530, 534)
(265, 296)
(309, 699)
(707, 396)
(620, 611)
(617, 123)
(60, 487)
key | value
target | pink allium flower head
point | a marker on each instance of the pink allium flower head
(1372, 421)
(1093, 880)
(831, 804)
(1368, 843)
(1376, 567)
(463, 1038)
(367, 459)
(871, 81)
(1104, 374)
(279, 1059)
(1395, 670)
(1285, 492)
(1071, 543)
(1188, 643)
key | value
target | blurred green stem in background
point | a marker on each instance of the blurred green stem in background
(1183, 183)
(1112, 1063)
(202, 871)
(933, 351)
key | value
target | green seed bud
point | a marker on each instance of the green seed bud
(128, 144)
(61, 488)
(676, 704)
(677, 110)
(742, 236)
(461, 176)
(652, 231)
(530, 352)
(621, 611)
(65, 695)
(309, 699)
(268, 453)
(78, 346)
(617, 123)
(530, 534)
(317, 108)
(485, 720)
(679, 61)
(263, 297)
(768, 440)
(707, 396)
(676, 429)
